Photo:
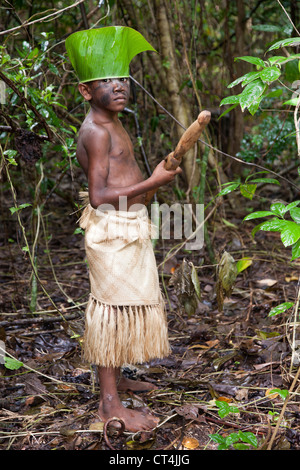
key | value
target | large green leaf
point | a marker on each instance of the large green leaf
(252, 60)
(230, 100)
(248, 190)
(104, 52)
(278, 208)
(245, 79)
(296, 250)
(280, 309)
(284, 43)
(270, 74)
(251, 93)
(258, 214)
(295, 214)
(283, 59)
(290, 234)
(273, 225)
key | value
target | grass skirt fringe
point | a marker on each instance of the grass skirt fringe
(120, 335)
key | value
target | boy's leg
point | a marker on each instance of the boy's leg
(110, 405)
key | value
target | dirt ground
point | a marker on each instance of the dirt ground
(234, 356)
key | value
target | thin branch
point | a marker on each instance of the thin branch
(297, 125)
(28, 103)
(290, 20)
(44, 18)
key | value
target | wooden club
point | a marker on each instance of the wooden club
(186, 142)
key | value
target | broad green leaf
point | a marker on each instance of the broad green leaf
(230, 100)
(225, 408)
(292, 102)
(33, 54)
(295, 214)
(237, 81)
(232, 438)
(243, 264)
(282, 60)
(248, 190)
(258, 214)
(228, 189)
(251, 93)
(269, 28)
(291, 72)
(280, 308)
(273, 225)
(253, 107)
(282, 393)
(12, 364)
(248, 437)
(284, 43)
(228, 110)
(240, 446)
(270, 74)
(296, 250)
(245, 79)
(290, 234)
(252, 60)
(274, 94)
(104, 52)
(265, 180)
(256, 173)
(217, 438)
(11, 154)
(20, 207)
(222, 447)
(279, 208)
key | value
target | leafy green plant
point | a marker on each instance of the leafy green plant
(237, 440)
(248, 187)
(256, 87)
(256, 83)
(289, 229)
(225, 409)
(282, 393)
(271, 138)
(11, 363)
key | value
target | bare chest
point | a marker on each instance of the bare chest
(123, 168)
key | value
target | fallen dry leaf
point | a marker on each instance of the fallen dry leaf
(271, 395)
(266, 282)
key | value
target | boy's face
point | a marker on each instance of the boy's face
(110, 93)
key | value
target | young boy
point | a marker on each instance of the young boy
(125, 317)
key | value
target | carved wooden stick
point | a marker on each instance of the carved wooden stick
(186, 142)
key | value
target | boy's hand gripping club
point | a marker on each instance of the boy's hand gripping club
(186, 142)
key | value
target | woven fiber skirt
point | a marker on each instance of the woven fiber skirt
(125, 317)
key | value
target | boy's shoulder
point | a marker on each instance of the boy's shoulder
(90, 130)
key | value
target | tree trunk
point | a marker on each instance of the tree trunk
(235, 71)
(240, 69)
(179, 106)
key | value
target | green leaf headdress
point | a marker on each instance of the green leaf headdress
(104, 52)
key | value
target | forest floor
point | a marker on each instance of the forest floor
(232, 357)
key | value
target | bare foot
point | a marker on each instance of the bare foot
(135, 385)
(134, 420)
